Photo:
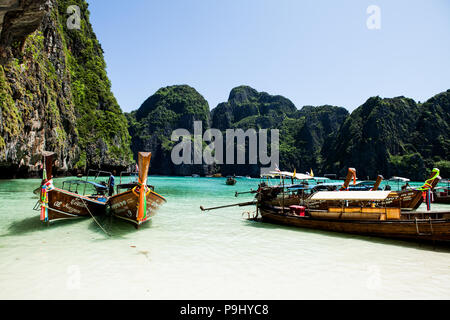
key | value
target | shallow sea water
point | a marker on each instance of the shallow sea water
(186, 254)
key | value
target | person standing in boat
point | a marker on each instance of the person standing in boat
(111, 183)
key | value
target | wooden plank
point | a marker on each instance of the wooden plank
(352, 210)
(393, 213)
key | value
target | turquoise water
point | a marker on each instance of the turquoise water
(186, 254)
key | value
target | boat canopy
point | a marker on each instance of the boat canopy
(79, 182)
(329, 184)
(321, 178)
(365, 183)
(299, 176)
(351, 195)
(300, 187)
(399, 179)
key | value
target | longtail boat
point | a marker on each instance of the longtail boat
(405, 199)
(139, 202)
(442, 194)
(57, 204)
(364, 219)
(370, 213)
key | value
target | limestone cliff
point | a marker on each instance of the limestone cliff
(54, 92)
(394, 136)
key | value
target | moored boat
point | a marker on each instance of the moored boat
(61, 203)
(231, 181)
(139, 202)
(383, 222)
(442, 193)
(405, 199)
(370, 213)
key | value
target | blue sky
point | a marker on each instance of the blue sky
(312, 52)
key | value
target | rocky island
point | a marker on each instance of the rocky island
(55, 95)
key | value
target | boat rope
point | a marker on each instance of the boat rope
(106, 232)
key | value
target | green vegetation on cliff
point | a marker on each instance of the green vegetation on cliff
(302, 132)
(394, 137)
(151, 126)
(55, 95)
(102, 127)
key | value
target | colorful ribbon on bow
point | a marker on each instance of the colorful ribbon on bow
(426, 189)
(45, 188)
(142, 207)
(427, 184)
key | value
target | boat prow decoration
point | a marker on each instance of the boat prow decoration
(46, 184)
(350, 175)
(432, 182)
(377, 184)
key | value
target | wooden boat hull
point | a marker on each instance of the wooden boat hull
(442, 196)
(125, 206)
(442, 200)
(66, 205)
(437, 230)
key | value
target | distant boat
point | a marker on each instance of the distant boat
(301, 194)
(231, 181)
(195, 176)
(399, 179)
(406, 199)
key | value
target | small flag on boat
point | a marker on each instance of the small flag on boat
(295, 172)
(312, 173)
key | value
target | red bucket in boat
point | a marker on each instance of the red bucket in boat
(298, 210)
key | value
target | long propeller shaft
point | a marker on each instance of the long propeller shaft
(243, 204)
